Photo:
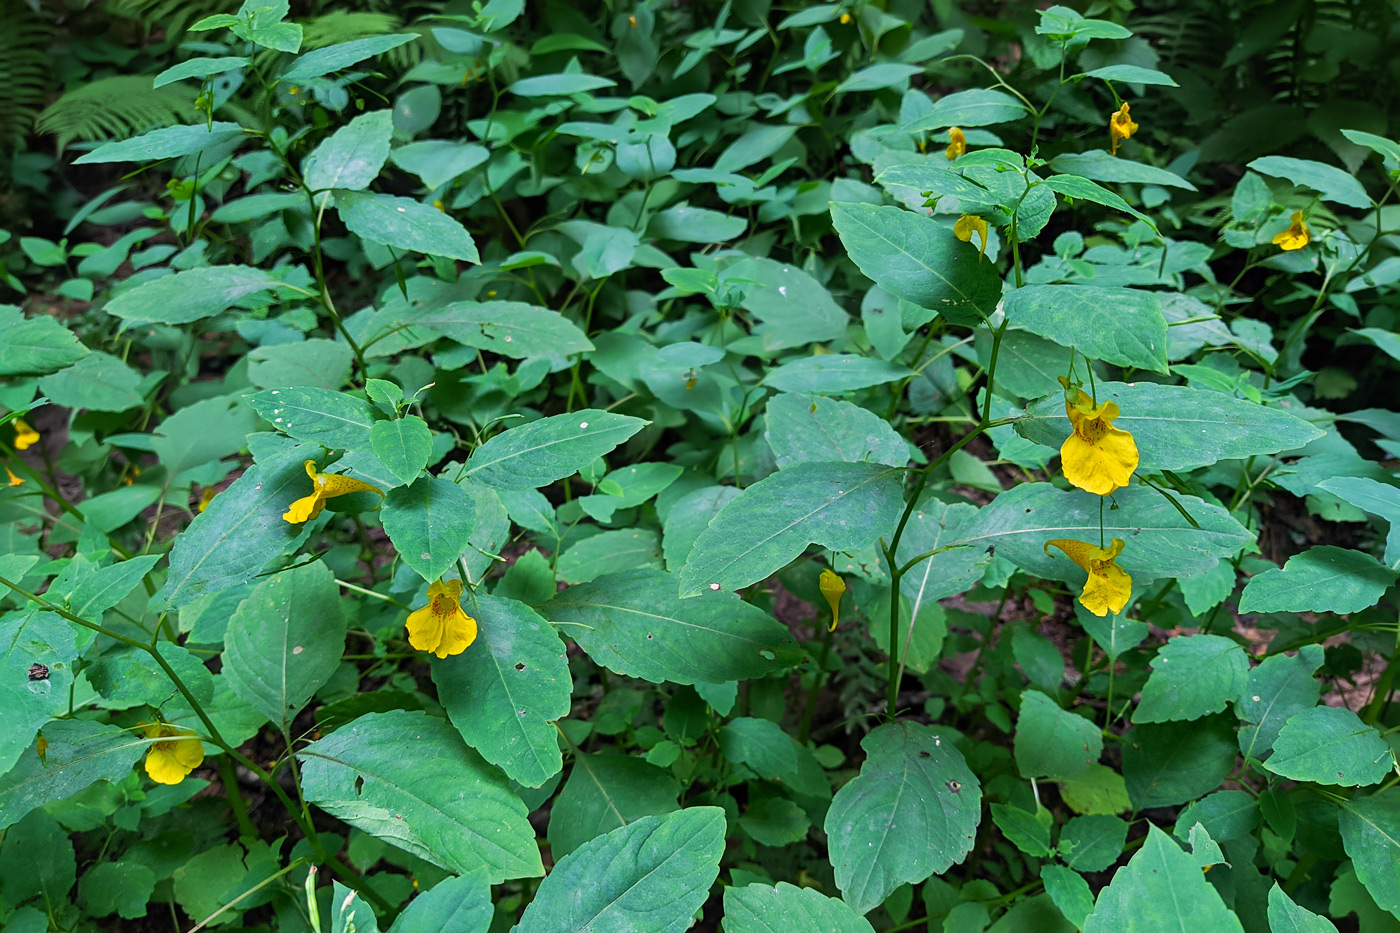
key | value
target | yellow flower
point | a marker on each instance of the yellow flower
(327, 486)
(1109, 586)
(957, 144)
(441, 626)
(832, 588)
(25, 436)
(845, 19)
(1096, 457)
(14, 480)
(1120, 127)
(206, 497)
(169, 762)
(41, 747)
(967, 225)
(1295, 237)
(440, 206)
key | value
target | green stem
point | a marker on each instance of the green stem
(817, 678)
(235, 797)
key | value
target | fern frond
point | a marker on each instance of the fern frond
(24, 69)
(115, 108)
(345, 25)
(172, 16)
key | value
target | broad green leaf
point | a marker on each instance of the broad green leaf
(285, 641)
(1321, 579)
(1330, 745)
(403, 445)
(95, 590)
(439, 801)
(1176, 427)
(190, 296)
(127, 677)
(351, 157)
(1092, 843)
(80, 753)
(1274, 691)
(634, 624)
(975, 107)
(205, 431)
(1285, 916)
(438, 161)
(605, 792)
(508, 328)
(1370, 828)
(1116, 325)
(199, 68)
(323, 364)
(1376, 498)
(793, 309)
(1161, 890)
(1166, 764)
(650, 875)
(1069, 892)
(350, 913)
(318, 416)
(786, 908)
(241, 531)
(762, 746)
(28, 638)
(803, 428)
(430, 523)
(612, 552)
(690, 516)
(536, 454)
(910, 813)
(759, 142)
(1099, 165)
(628, 488)
(918, 259)
(841, 506)
(1061, 23)
(695, 225)
(558, 85)
(1226, 815)
(35, 346)
(1331, 182)
(1099, 790)
(342, 55)
(1075, 186)
(506, 690)
(934, 525)
(1192, 676)
(404, 223)
(1131, 74)
(1386, 148)
(459, 904)
(168, 143)
(1052, 742)
(775, 821)
(877, 77)
(834, 372)
(1029, 366)
(121, 887)
(97, 382)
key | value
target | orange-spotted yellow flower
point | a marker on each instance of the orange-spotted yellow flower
(832, 589)
(969, 224)
(1096, 457)
(1120, 127)
(1296, 236)
(325, 486)
(14, 480)
(441, 626)
(25, 436)
(176, 753)
(1109, 586)
(957, 144)
(206, 497)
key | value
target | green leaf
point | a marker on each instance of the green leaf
(506, 690)
(1166, 764)
(97, 382)
(1052, 742)
(190, 296)
(695, 225)
(351, 157)
(910, 813)
(1176, 427)
(1373, 497)
(121, 888)
(688, 517)
(773, 821)
(285, 641)
(611, 552)
(933, 525)
(203, 432)
(1161, 889)
(459, 904)
(1370, 828)
(878, 77)
(1131, 74)
(35, 346)
(1274, 691)
(1192, 676)
(1022, 829)
(318, 416)
(323, 364)
(1332, 183)
(762, 745)
(650, 875)
(1100, 165)
(786, 908)
(834, 372)
(1092, 843)
(536, 454)
(199, 68)
(793, 309)
(80, 753)
(438, 161)
(342, 55)
(404, 223)
(429, 522)
(841, 506)
(1225, 814)
(1285, 916)
(802, 428)
(1321, 579)
(28, 638)
(605, 792)
(559, 85)
(508, 328)
(1074, 186)
(975, 107)
(918, 259)
(350, 913)
(634, 624)
(403, 445)
(95, 590)
(1117, 325)
(440, 802)
(1069, 892)
(1099, 790)
(168, 143)
(1330, 745)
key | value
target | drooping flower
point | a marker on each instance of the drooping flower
(25, 436)
(1296, 236)
(1120, 127)
(14, 480)
(1109, 586)
(957, 144)
(206, 497)
(969, 224)
(41, 748)
(845, 19)
(832, 588)
(326, 486)
(1096, 457)
(441, 626)
(179, 752)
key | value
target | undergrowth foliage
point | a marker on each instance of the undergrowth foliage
(838, 468)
